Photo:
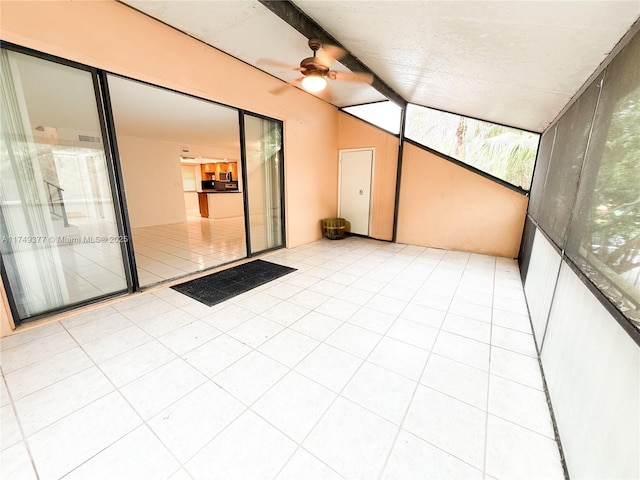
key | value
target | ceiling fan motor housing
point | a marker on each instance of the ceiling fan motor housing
(311, 66)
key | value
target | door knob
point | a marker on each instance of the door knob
(361, 192)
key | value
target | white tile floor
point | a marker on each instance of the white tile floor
(372, 361)
(169, 251)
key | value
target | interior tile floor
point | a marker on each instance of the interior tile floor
(373, 360)
(164, 252)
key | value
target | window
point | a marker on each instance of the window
(503, 152)
(385, 115)
(604, 236)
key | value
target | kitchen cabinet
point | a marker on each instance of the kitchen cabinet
(211, 171)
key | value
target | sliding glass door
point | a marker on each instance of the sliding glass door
(265, 179)
(160, 133)
(59, 235)
(63, 223)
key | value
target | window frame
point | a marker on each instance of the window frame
(469, 166)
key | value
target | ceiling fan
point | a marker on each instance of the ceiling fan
(317, 69)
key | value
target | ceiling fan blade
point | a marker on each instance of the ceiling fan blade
(276, 63)
(351, 76)
(281, 88)
(328, 53)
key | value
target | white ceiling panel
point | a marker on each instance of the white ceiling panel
(250, 32)
(144, 111)
(512, 62)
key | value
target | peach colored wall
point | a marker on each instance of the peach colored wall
(355, 133)
(311, 181)
(111, 36)
(116, 38)
(446, 206)
(6, 322)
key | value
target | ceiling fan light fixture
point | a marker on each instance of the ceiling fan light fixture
(314, 83)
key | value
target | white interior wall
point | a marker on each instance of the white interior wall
(541, 282)
(153, 176)
(592, 370)
(152, 181)
(191, 203)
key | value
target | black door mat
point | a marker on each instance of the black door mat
(221, 286)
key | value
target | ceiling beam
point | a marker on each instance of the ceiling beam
(299, 20)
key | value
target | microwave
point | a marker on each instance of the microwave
(224, 176)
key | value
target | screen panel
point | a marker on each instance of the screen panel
(604, 238)
(566, 161)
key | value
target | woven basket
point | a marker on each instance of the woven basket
(334, 228)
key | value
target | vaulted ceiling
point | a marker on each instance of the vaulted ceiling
(512, 62)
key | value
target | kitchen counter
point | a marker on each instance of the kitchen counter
(215, 206)
(219, 191)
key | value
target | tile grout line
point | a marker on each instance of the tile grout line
(290, 369)
(248, 407)
(486, 417)
(108, 379)
(138, 414)
(25, 438)
(338, 394)
(404, 417)
(117, 389)
(22, 434)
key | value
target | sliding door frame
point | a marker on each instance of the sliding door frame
(245, 177)
(117, 179)
(112, 164)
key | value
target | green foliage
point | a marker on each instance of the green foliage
(613, 226)
(509, 155)
(503, 152)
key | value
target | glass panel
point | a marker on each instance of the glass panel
(504, 152)
(263, 143)
(604, 238)
(541, 171)
(178, 229)
(561, 183)
(59, 237)
(385, 115)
